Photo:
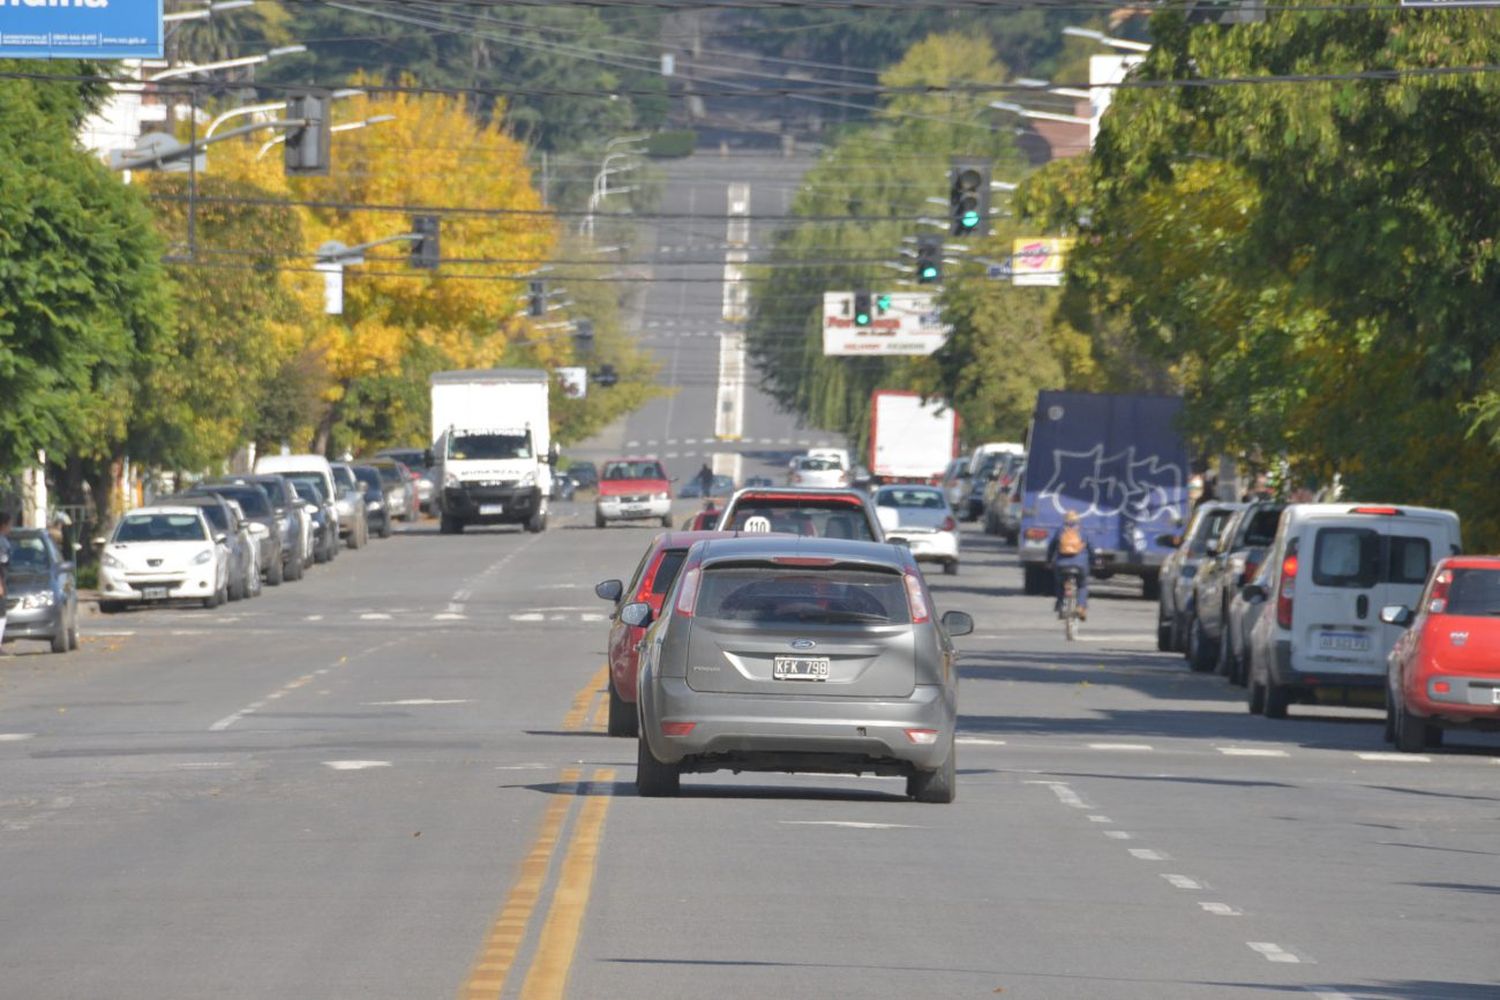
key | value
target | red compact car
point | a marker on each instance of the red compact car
(654, 576)
(1445, 669)
(633, 489)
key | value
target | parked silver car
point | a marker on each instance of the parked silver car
(1174, 608)
(41, 599)
(782, 653)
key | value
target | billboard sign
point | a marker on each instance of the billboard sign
(901, 323)
(81, 29)
(574, 381)
(1039, 261)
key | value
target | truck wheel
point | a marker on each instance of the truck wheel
(536, 523)
(1151, 587)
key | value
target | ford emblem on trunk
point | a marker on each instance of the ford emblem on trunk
(803, 644)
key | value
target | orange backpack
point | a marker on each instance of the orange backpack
(1070, 542)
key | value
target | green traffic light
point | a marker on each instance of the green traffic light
(929, 273)
(970, 219)
(884, 302)
(861, 319)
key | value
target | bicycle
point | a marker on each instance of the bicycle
(1072, 577)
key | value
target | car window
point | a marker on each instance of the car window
(1410, 559)
(633, 470)
(313, 486)
(1346, 557)
(368, 476)
(666, 571)
(797, 517)
(160, 528)
(252, 501)
(1215, 522)
(343, 477)
(277, 490)
(1474, 592)
(28, 553)
(1260, 529)
(775, 595)
(217, 517)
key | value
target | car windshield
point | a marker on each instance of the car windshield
(819, 465)
(633, 470)
(830, 519)
(925, 499)
(277, 489)
(368, 475)
(161, 528)
(1473, 592)
(343, 477)
(413, 459)
(252, 501)
(489, 447)
(28, 553)
(310, 486)
(773, 595)
(216, 516)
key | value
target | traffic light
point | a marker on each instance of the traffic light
(308, 143)
(425, 252)
(862, 311)
(882, 303)
(606, 376)
(536, 298)
(969, 195)
(583, 332)
(929, 259)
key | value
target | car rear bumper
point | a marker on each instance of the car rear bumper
(928, 546)
(1464, 697)
(792, 733)
(1295, 669)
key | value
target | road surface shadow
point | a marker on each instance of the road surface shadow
(1397, 989)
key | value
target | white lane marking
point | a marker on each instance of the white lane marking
(1120, 746)
(1146, 854)
(1125, 638)
(255, 706)
(374, 616)
(461, 596)
(528, 618)
(188, 631)
(1221, 910)
(195, 765)
(113, 633)
(560, 586)
(449, 616)
(1328, 994)
(522, 767)
(1182, 882)
(1117, 834)
(634, 444)
(423, 701)
(233, 717)
(1096, 818)
(313, 618)
(976, 741)
(1404, 758)
(849, 824)
(15, 737)
(1250, 752)
(593, 616)
(1064, 794)
(1272, 952)
(355, 765)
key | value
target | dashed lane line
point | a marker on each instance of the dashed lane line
(1182, 882)
(1146, 854)
(1272, 952)
(1404, 758)
(1120, 746)
(1221, 910)
(15, 737)
(1250, 752)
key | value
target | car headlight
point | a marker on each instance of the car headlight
(527, 480)
(450, 481)
(41, 599)
(111, 562)
(203, 558)
(661, 496)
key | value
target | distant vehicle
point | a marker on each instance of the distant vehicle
(911, 439)
(1244, 610)
(1445, 668)
(1238, 551)
(306, 466)
(811, 470)
(377, 500)
(797, 654)
(325, 524)
(163, 553)
(653, 577)
(983, 453)
(400, 495)
(492, 445)
(1333, 567)
(278, 538)
(244, 547)
(721, 486)
(633, 489)
(996, 473)
(1120, 464)
(580, 476)
(1180, 568)
(840, 456)
(419, 461)
(703, 520)
(41, 597)
(295, 517)
(758, 482)
(921, 517)
(354, 522)
(843, 513)
(956, 481)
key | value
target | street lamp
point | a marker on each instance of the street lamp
(346, 127)
(205, 12)
(256, 60)
(1103, 39)
(254, 109)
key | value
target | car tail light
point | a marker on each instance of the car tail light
(1286, 591)
(1036, 534)
(677, 728)
(922, 737)
(1441, 687)
(1382, 511)
(819, 561)
(916, 601)
(687, 596)
(1437, 601)
(949, 524)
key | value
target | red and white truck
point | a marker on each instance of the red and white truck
(911, 440)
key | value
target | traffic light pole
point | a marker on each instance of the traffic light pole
(193, 149)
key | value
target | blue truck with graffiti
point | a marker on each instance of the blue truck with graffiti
(1120, 462)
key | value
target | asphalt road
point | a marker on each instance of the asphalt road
(389, 781)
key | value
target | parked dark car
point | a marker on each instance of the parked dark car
(325, 525)
(244, 547)
(377, 503)
(418, 463)
(401, 499)
(41, 598)
(580, 477)
(1231, 560)
(280, 541)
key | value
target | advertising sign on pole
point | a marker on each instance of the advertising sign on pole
(900, 323)
(1039, 260)
(574, 381)
(81, 29)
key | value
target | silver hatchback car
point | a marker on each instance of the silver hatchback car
(798, 654)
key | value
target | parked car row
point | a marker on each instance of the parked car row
(795, 638)
(1334, 603)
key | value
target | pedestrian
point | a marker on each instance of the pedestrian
(706, 479)
(4, 570)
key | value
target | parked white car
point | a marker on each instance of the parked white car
(920, 516)
(819, 471)
(163, 553)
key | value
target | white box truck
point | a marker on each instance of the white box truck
(492, 447)
(911, 440)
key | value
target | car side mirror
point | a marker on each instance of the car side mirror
(1254, 593)
(957, 623)
(1212, 548)
(609, 590)
(637, 615)
(1397, 614)
(221, 538)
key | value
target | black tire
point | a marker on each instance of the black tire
(1255, 693)
(666, 520)
(276, 573)
(1224, 665)
(1201, 651)
(950, 568)
(1389, 732)
(1410, 731)
(73, 631)
(385, 526)
(111, 607)
(653, 779)
(295, 568)
(939, 787)
(60, 638)
(1278, 697)
(622, 718)
(450, 525)
(1151, 587)
(320, 552)
(1163, 634)
(991, 524)
(599, 521)
(234, 591)
(355, 541)
(536, 523)
(1036, 580)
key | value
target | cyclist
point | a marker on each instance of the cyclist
(1070, 549)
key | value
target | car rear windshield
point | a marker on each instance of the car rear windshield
(1474, 592)
(667, 570)
(252, 501)
(488, 447)
(633, 470)
(819, 464)
(1361, 558)
(1212, 526)
(160, 528)
(313, 486)
(1260, 531)
(782, 595)
(802, 517)
(368, 476)
(926, 499)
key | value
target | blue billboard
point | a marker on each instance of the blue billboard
(80, 29)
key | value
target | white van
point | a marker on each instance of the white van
(303, 465)
(993, 448)
(1329, 572)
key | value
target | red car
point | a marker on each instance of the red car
(653, 577)
(633, 489)
(705, 520)
(1445, 669)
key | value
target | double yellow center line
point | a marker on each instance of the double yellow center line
(547, 978)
